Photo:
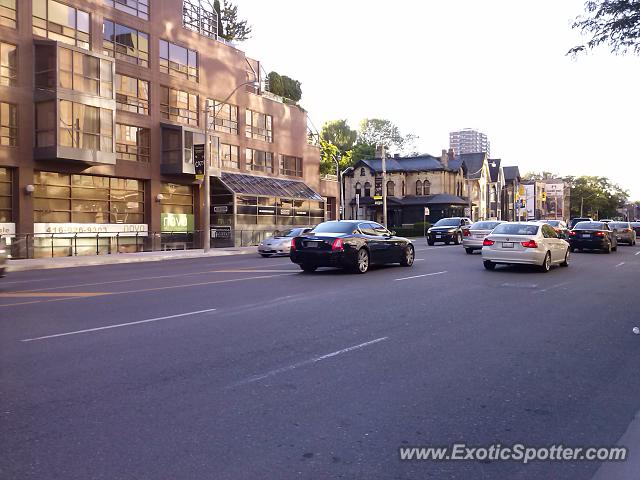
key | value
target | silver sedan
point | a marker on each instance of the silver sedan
(624, 232)
(525, 243)
(473, 237)
(280, 242)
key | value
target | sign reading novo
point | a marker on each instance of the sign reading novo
(177, 222)
(92, 229)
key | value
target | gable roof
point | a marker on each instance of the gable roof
(418, 163)
(511, 173)
(494, 172)
(474, 163)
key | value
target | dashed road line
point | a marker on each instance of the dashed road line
(420, 276)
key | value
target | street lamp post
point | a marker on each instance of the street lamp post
(206, 211)
(384, 186)
(340, 206)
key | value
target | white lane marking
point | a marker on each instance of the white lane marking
(620, 264)
(119, 325)
(557, 285)
(419, 259)
(519, 285)
(305, 362)
(638, 253)
(419, 276)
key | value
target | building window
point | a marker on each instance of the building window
(85, 73)
(179, 106)
(178, 61)
(426, 188)
(291, 166)
(259, 126)
(177, 198)
(367, 189)
(61, 22)
(229, 156)
(199, 19)
(191, 139)
(60, 197)
(391, 189)
(259, 161)
(226, 117)
(137, 8)
(132, 94)
(7, 63)
(362, 172)
(132, 143)
(418, 187)
(8, 124)
(8, 13)
(358, 189)
(86, 127)
(125, 43)
(5, 195)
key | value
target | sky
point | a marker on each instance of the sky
(435, 66)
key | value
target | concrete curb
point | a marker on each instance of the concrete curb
(113, 259)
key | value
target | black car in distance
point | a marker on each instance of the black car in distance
(448, 230)
(350, 244)
(593, 236)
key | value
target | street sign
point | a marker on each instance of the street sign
(467, 212)
(544, 196)
(198, 160)
(378, 189)
(426, 211)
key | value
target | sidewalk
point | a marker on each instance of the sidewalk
(88, 260)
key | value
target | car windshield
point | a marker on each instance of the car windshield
(619, 225)
(447, 222)
(516, 229)
(334, 227)
(554, 223)
(293, 232)
(484, 225)
(589, 226)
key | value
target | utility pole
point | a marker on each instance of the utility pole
(206, 216)
(384, 186)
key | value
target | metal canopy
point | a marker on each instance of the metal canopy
(267, 186)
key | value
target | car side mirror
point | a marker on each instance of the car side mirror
(392, 232)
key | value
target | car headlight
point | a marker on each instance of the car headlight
(452, 230)
(429, 231)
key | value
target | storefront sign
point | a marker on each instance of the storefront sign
(92, 229)
(302, 213)
(176, 222)
(7, 228)
(266, 210)
(378, 189)
(530, 201)
(198, 160)
(284, 212)
(221, 209)
(221, 232)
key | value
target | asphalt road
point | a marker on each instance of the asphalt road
(245, 368)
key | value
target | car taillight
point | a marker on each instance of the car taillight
(627, 230)
(487, 243)
(529, 244)
(599, 234)
(337, 245)
(293, 244)
(557, 230)
(466, 233)
(572, 233)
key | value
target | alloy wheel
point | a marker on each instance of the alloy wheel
(363, 261)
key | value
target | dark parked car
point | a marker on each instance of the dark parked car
(593, 236)
(448, 230)
(574, 221)
(351, 244)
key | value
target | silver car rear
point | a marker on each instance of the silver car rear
(475, 235)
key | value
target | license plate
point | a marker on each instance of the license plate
(507, 244)
(312, 244)
(479, 236)
(438, 236)
(586, 235)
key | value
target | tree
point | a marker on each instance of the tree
(229, 26)
(597, 196)
(615, 23)
(537, 176)
(362, 151)
(284, 86)
(328, 153)
(374, 131)
(340, 134)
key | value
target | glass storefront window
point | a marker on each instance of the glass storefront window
(57, 21)
(60, 197)
(177, 198)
